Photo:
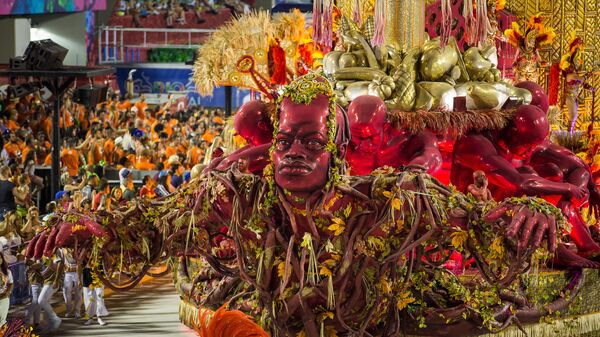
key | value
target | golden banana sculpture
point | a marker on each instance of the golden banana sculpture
(427, 77)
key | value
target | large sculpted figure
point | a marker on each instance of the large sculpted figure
(318, 253)
(519, 160)
(375, 143)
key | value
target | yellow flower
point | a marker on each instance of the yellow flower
(458, 239)
(399, 224)
(376, 243)
(396, 204)
(564, 62)
(496, 249)
(325, 271)
(404, 300)
(387, 194)
(500, 5)
(385, 285)
(337, 227)
(281, 270)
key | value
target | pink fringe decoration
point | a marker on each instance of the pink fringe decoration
(380, 14)
(446, 22)
(483, 23)
(316, 24)
(470, 24)
(356, 13)
(327, 30)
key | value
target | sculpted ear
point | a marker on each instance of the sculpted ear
(262, 125)
(341, 148)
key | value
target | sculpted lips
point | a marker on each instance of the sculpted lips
(294, 168)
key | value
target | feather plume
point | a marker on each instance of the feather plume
(217, 57)
(227, 323)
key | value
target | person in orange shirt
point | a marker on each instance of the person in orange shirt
(209, 135)
(66, 119)
(109, 150)
(12, 146)
(124, 104)
(96, 151)
(144, 162)
(47, 125)
(70, 158)
(12, 121)
(141, 106)
(48, 160)
(28, 147)
(195, 154)
(150, 120)
(170, 150)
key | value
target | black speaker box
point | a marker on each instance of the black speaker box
(45, 55)
(90, 95)
(18, 63)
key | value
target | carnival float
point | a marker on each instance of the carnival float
(408, 172)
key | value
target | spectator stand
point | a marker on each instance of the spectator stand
(119, 44)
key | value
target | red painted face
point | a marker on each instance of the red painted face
(253, 124)
(366, 115)
(300, 160)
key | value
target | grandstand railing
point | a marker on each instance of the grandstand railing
(123, 44)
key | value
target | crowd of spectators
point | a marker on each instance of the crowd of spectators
(161, 142)
(122, 134)
(174, 10)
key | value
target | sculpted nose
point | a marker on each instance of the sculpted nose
(296, 151)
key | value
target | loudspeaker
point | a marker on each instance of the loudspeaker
(90, 95)
(45, 55)
(18, 63)
(16, 91)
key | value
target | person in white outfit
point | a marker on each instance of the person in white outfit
(52, 277)
(36, 281)
(71, 286)
(6, 286)
(93, 297)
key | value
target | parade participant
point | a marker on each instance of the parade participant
(36, 281)
(6, 287)
(52, 275)
(71, 291)
(93, 296)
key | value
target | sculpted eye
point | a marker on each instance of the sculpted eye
(281, 144)
(315, 144)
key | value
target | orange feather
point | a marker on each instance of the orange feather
(228, 323)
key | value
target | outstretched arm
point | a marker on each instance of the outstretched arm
(477, 153)
(425, 152)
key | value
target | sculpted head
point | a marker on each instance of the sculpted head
(307, 143)
(367, 117)
(253, 123)
(528, 129)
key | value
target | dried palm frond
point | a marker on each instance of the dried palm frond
(574, 141)
(216, 64)
(290, 26)
(457, 122)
